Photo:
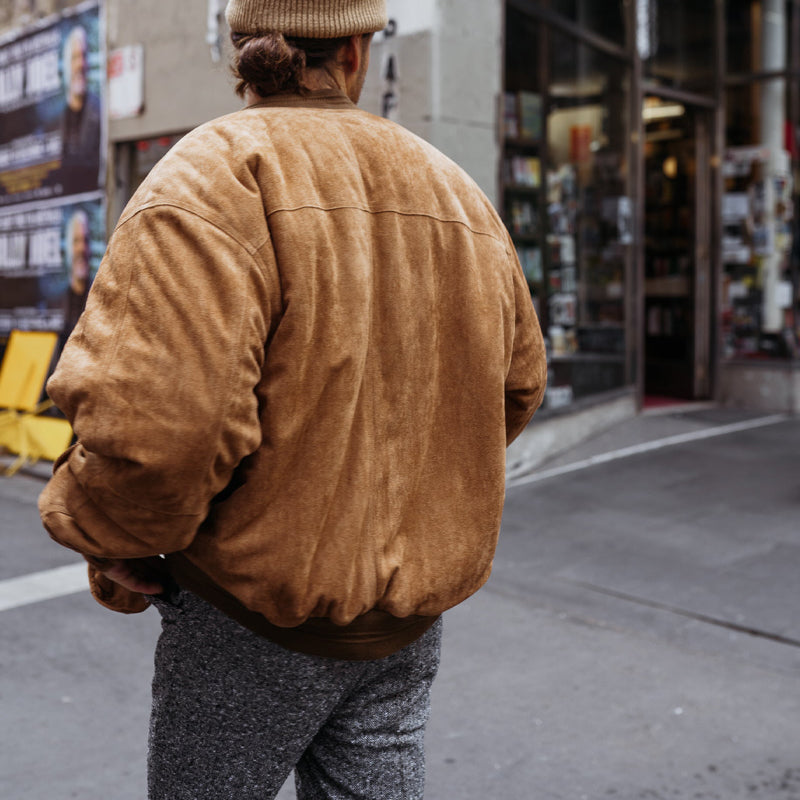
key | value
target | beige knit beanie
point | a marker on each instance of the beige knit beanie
(313, 19)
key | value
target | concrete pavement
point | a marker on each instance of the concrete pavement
(639, 637)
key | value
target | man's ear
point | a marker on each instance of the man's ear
(354, 53)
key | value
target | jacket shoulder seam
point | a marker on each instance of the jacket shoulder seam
(251, 249)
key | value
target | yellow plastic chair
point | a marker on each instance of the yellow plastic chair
(22, 376)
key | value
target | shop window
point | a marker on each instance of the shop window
(758, 113)
(605, 19)
(757, 35)
(760, 299)
(760, 296)
(523, 70)
(675, 39)
(566, 200)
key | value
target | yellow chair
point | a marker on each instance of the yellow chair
(22, 376)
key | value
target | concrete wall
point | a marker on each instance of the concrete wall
(449, 77)
(468, 84)
(184, 87)
(413, 89)
(760, 386)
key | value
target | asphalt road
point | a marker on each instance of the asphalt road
(639, 638)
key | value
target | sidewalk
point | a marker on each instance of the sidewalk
(649, 426)
(639, 638)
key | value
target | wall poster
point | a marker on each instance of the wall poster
(52, 168)
(52, 120)
(49, 255)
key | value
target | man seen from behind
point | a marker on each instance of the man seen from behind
(301, 361)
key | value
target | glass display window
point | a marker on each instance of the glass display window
(605, 19)
(760, 295)
(567, 200)
(524, 146)
(675, 40)
(757, 112)
(657, 249)
(758, 34)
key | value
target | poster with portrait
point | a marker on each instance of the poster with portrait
(52, 118)
(49, 255)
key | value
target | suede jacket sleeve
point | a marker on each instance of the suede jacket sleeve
(526, 378)
(158, 383)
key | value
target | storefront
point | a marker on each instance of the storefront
(647, 177)
(646, 167)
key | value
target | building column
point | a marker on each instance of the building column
(772, 121)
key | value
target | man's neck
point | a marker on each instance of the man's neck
(314, 80)
(320, 79)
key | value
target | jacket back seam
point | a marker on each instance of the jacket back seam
(398, 212)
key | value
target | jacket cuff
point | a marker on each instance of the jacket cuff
(113, 596)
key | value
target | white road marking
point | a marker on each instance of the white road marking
(646, 447)
(46, 585)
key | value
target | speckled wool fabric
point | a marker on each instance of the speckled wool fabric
(233, 714)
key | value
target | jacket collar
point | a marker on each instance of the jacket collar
(322, 98)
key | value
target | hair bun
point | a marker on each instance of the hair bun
(269, 63)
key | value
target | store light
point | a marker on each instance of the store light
(670, 167)
(666, 111)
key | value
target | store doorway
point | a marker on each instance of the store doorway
(677, 247)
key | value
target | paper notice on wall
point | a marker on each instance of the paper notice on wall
(735, 206)
(783, 294)
(737, 290)
(126, 82)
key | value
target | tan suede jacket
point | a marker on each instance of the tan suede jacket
(302, 359)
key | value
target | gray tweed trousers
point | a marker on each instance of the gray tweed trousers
(234, 714)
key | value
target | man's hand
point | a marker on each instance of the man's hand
(121, 572)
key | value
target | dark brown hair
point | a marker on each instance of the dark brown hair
(271, 62)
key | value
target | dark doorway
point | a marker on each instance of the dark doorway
(677, 250)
